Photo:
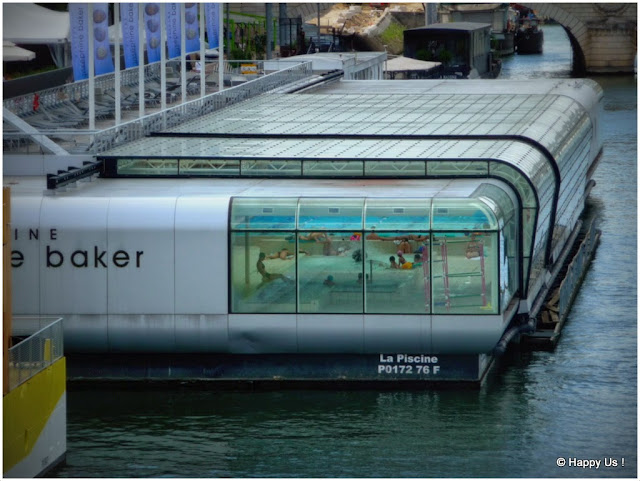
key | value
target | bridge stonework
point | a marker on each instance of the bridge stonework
(603, 35)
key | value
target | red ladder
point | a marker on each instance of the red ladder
(445, 273)
(484, 285)
(426, 275)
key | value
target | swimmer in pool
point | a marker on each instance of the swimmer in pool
(315, 236)
(266, 276)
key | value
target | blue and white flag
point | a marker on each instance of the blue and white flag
(130, 38)
(173, 29)
(101, 48)
(212, 12)
(192, 28)
(79, 26)
(152, 28)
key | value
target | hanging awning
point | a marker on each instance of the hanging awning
(12, 53)
(28, 23)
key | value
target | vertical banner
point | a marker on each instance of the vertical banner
(192, 32)
(101, 47)
(79, 26)
(152, 30)
(129, 20)
(173, 29)
(212, 10)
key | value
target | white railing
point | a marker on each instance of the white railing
(43, 347)
(76, 91)
(67, 96)
(173, 116)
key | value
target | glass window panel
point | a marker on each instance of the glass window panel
(263, 272)
(397, 168)
(465, 273)
(506, 288)
(518, 180)
(330, 214)
(330, 273)
(456, 167)
(525, 271)
(272, 168)
(511, 244)
(209, 167)
(263, 213)
(528, 226)
(393, 286)
(333, 168)
(126, 166)
(397, 214)
(536, 265)
(144, 166)
(462, 214)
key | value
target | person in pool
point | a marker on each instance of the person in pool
(267, 276)
(315, 236)
(405, 246)
(286, 254)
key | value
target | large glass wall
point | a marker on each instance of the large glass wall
(263, 255)
(464, 274)
(396, 256)
(374, 256)
(329, 270)
(263, 272)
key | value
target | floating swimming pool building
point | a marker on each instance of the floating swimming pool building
(365, 230)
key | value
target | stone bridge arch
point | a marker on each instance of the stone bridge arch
(602, 35)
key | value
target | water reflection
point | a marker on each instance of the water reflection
(554, 62)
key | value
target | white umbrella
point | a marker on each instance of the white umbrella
(12, 53)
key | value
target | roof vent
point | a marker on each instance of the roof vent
(334, 210)
(398, 210)
(267, 210)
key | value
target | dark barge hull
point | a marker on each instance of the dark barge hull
(529, 41)
(275, 370)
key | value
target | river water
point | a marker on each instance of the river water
(577, 402)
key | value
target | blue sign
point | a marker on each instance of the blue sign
(192, 29)
(79, 26)
(173, 29)
(101, 48)
(153, 29)
(130, 37)
(212, 13)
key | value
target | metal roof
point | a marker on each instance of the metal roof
(358, 149)
(538, 111)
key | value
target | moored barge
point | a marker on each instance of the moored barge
(387, 234)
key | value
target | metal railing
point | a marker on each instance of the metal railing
(577, 269)
(174, 116)
(76, 91)
(62, 96)
(43, 347)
